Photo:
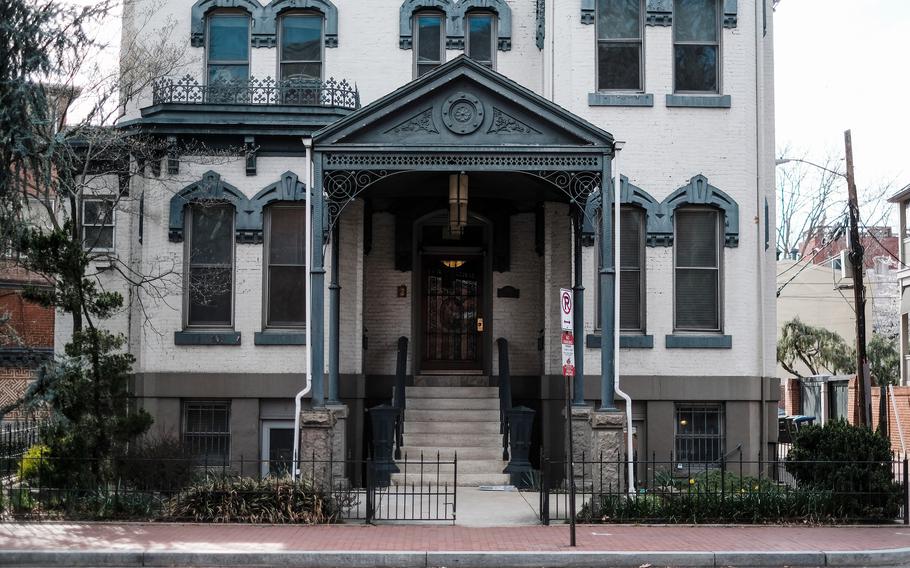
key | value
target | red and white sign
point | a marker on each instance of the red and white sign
(566, 309)
(568, 360)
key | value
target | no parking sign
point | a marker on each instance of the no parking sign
(566, 312)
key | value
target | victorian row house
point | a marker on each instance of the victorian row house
(451, 162)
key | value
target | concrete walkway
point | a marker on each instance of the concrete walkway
(341, 546)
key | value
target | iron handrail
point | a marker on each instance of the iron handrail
(505, 394)
(398, 395)
(253, 91)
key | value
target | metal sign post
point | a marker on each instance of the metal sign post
(567, 318)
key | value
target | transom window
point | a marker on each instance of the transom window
(696, 46)
(480, 38)
(98, 223)
(207, 431)
(286, 266)
(210, 274)
(697, 251)
(228, 53)
(429, 41)
(619, 45)
(699, 433)
(631, 271)
(301, 47)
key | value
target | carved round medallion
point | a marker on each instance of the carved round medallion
(462, 113)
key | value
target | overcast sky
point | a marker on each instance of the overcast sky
(843, 64)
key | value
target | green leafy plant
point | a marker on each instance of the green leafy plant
(246, 500)
(818, 349)
(36, 464)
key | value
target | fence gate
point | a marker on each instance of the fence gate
(411, 490)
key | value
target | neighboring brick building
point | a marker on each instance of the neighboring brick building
(877, 242)
(26, 334)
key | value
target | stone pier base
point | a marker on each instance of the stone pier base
(581, 445)
(607, 443)
(322, 444)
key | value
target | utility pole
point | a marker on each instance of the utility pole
(863, 387)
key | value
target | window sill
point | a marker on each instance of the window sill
(699, 341)
(206, 338)
(621, 99)
(699, 101)
(279, 338)
(630, 341)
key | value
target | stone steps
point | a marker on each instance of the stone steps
(452, 392)
(464, 480)
(413, 453)
(447, 416)
(426, 403)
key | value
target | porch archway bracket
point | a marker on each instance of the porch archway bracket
(341, 186)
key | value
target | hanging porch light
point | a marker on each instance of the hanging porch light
(458, 204)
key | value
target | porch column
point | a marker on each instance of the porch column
(607, 284)
(578, 297)
(334, 318)
(317, 296)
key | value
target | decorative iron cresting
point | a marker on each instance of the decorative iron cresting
(268, 91)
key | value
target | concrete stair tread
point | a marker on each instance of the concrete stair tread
(453, 415)
(436, 404)
(462, 452)
(450, 428)
(452, 440)
(451, 392)
(466, 479)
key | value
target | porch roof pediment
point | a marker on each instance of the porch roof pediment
(463, 106)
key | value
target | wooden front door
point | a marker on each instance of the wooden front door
(452, 312)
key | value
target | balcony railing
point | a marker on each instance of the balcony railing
(268, 91)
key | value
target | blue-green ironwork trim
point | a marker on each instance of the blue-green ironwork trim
(406, 18)
(541, 23)
(660, 13)
(279, 338)
(455, 15)
(699, 101)
(621, 99)
(288, 188)
(630, 195)
(248, 221)
(699, 341)
(212, 188)
(264, 32)
(229, 338)
(630, 341)
(697, 192)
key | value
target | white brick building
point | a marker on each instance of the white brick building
(686, 84)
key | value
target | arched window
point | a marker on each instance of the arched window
(429, 41)
(481, 37)
(300, 38)
(227, 47)
(210, 265)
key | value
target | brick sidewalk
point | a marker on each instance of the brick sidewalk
(51, 536)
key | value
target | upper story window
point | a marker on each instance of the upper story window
(301, 42)
(698, 251)
(620, 61)
(631, 271)
(210, 265)
(228, 53)
(696, 46)
(285, 272)
(480, 38)
(429, 41)
(98, 223)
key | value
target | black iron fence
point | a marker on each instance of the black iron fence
(268, 91)
(740, 491)
(242, 490)
(16, 437)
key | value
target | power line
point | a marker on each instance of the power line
(834, 237)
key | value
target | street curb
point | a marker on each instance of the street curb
(448, 559)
